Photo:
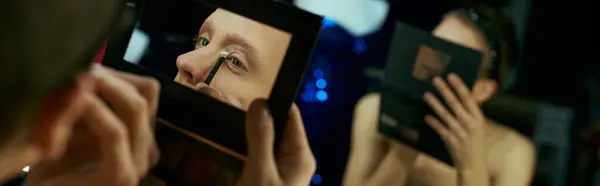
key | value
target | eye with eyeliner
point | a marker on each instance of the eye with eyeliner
(200, 41)
(236, 61)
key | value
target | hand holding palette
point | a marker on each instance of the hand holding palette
(213, 58)
(416, 57)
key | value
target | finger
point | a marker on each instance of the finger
(441, 111)
(295, 134)
(444, 133)
(260, 137)
(113, 140)
(295, 159)
(450, 98)
(71, 104)
(154, 156)
(132, 109)
(148, 87)
(465, 95)
(214, 93)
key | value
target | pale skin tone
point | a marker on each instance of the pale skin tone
(79, 140)
(255, 53)
(486, 153)
(74, 138)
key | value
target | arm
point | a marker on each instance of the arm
(474, 176)
(374, 160)
(519, 166)
(367, 147)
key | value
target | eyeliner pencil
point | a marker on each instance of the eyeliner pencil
(213, 70)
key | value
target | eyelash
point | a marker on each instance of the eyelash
(199, 42)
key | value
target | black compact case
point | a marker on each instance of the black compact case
(416, 57)
(197, 113)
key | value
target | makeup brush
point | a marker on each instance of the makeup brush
(215, 68)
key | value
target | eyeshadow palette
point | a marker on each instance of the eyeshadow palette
(416, 57)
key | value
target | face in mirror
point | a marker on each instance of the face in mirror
(250, 54)
(226, 56)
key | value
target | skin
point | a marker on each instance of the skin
(76, 138)
(292, 165)
(486, 152)
(255, 55)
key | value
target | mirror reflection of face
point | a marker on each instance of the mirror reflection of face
(255, 53)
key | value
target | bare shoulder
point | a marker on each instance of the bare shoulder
(516, 153)
(521, 151)
(508, 140)
(366, 113)
(368, 102)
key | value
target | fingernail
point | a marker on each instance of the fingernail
(97, 66)
(259, 105)
(437, 79)
(98, 69)
(85, 82)
(452, 77)
(266, 110)
(427, 95)
(265, 115)
(201, 87)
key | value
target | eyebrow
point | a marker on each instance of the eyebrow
(251, 51)
(234, 39)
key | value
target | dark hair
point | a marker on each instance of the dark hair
(499, 32)
(44, 45)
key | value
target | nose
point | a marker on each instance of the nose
(194, 66)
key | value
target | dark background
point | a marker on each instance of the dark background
(557, 63)
(557, 60)
(171, 26)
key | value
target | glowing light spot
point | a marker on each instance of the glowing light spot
(321, 83)
(318, 73)
(327, 22)
(316, 179)
(310, 87)
(322, 95)
(359, 46)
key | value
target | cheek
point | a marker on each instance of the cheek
(244, 89)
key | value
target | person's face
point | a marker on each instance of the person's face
(455, 30)
(255, 55)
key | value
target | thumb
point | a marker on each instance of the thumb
(260, 137)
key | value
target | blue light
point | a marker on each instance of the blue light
(307, 96)
(321, 95)
(359, 46)
(316, 179)
(310, 87)
(318, 73)
(327, 22)
(321, 83)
